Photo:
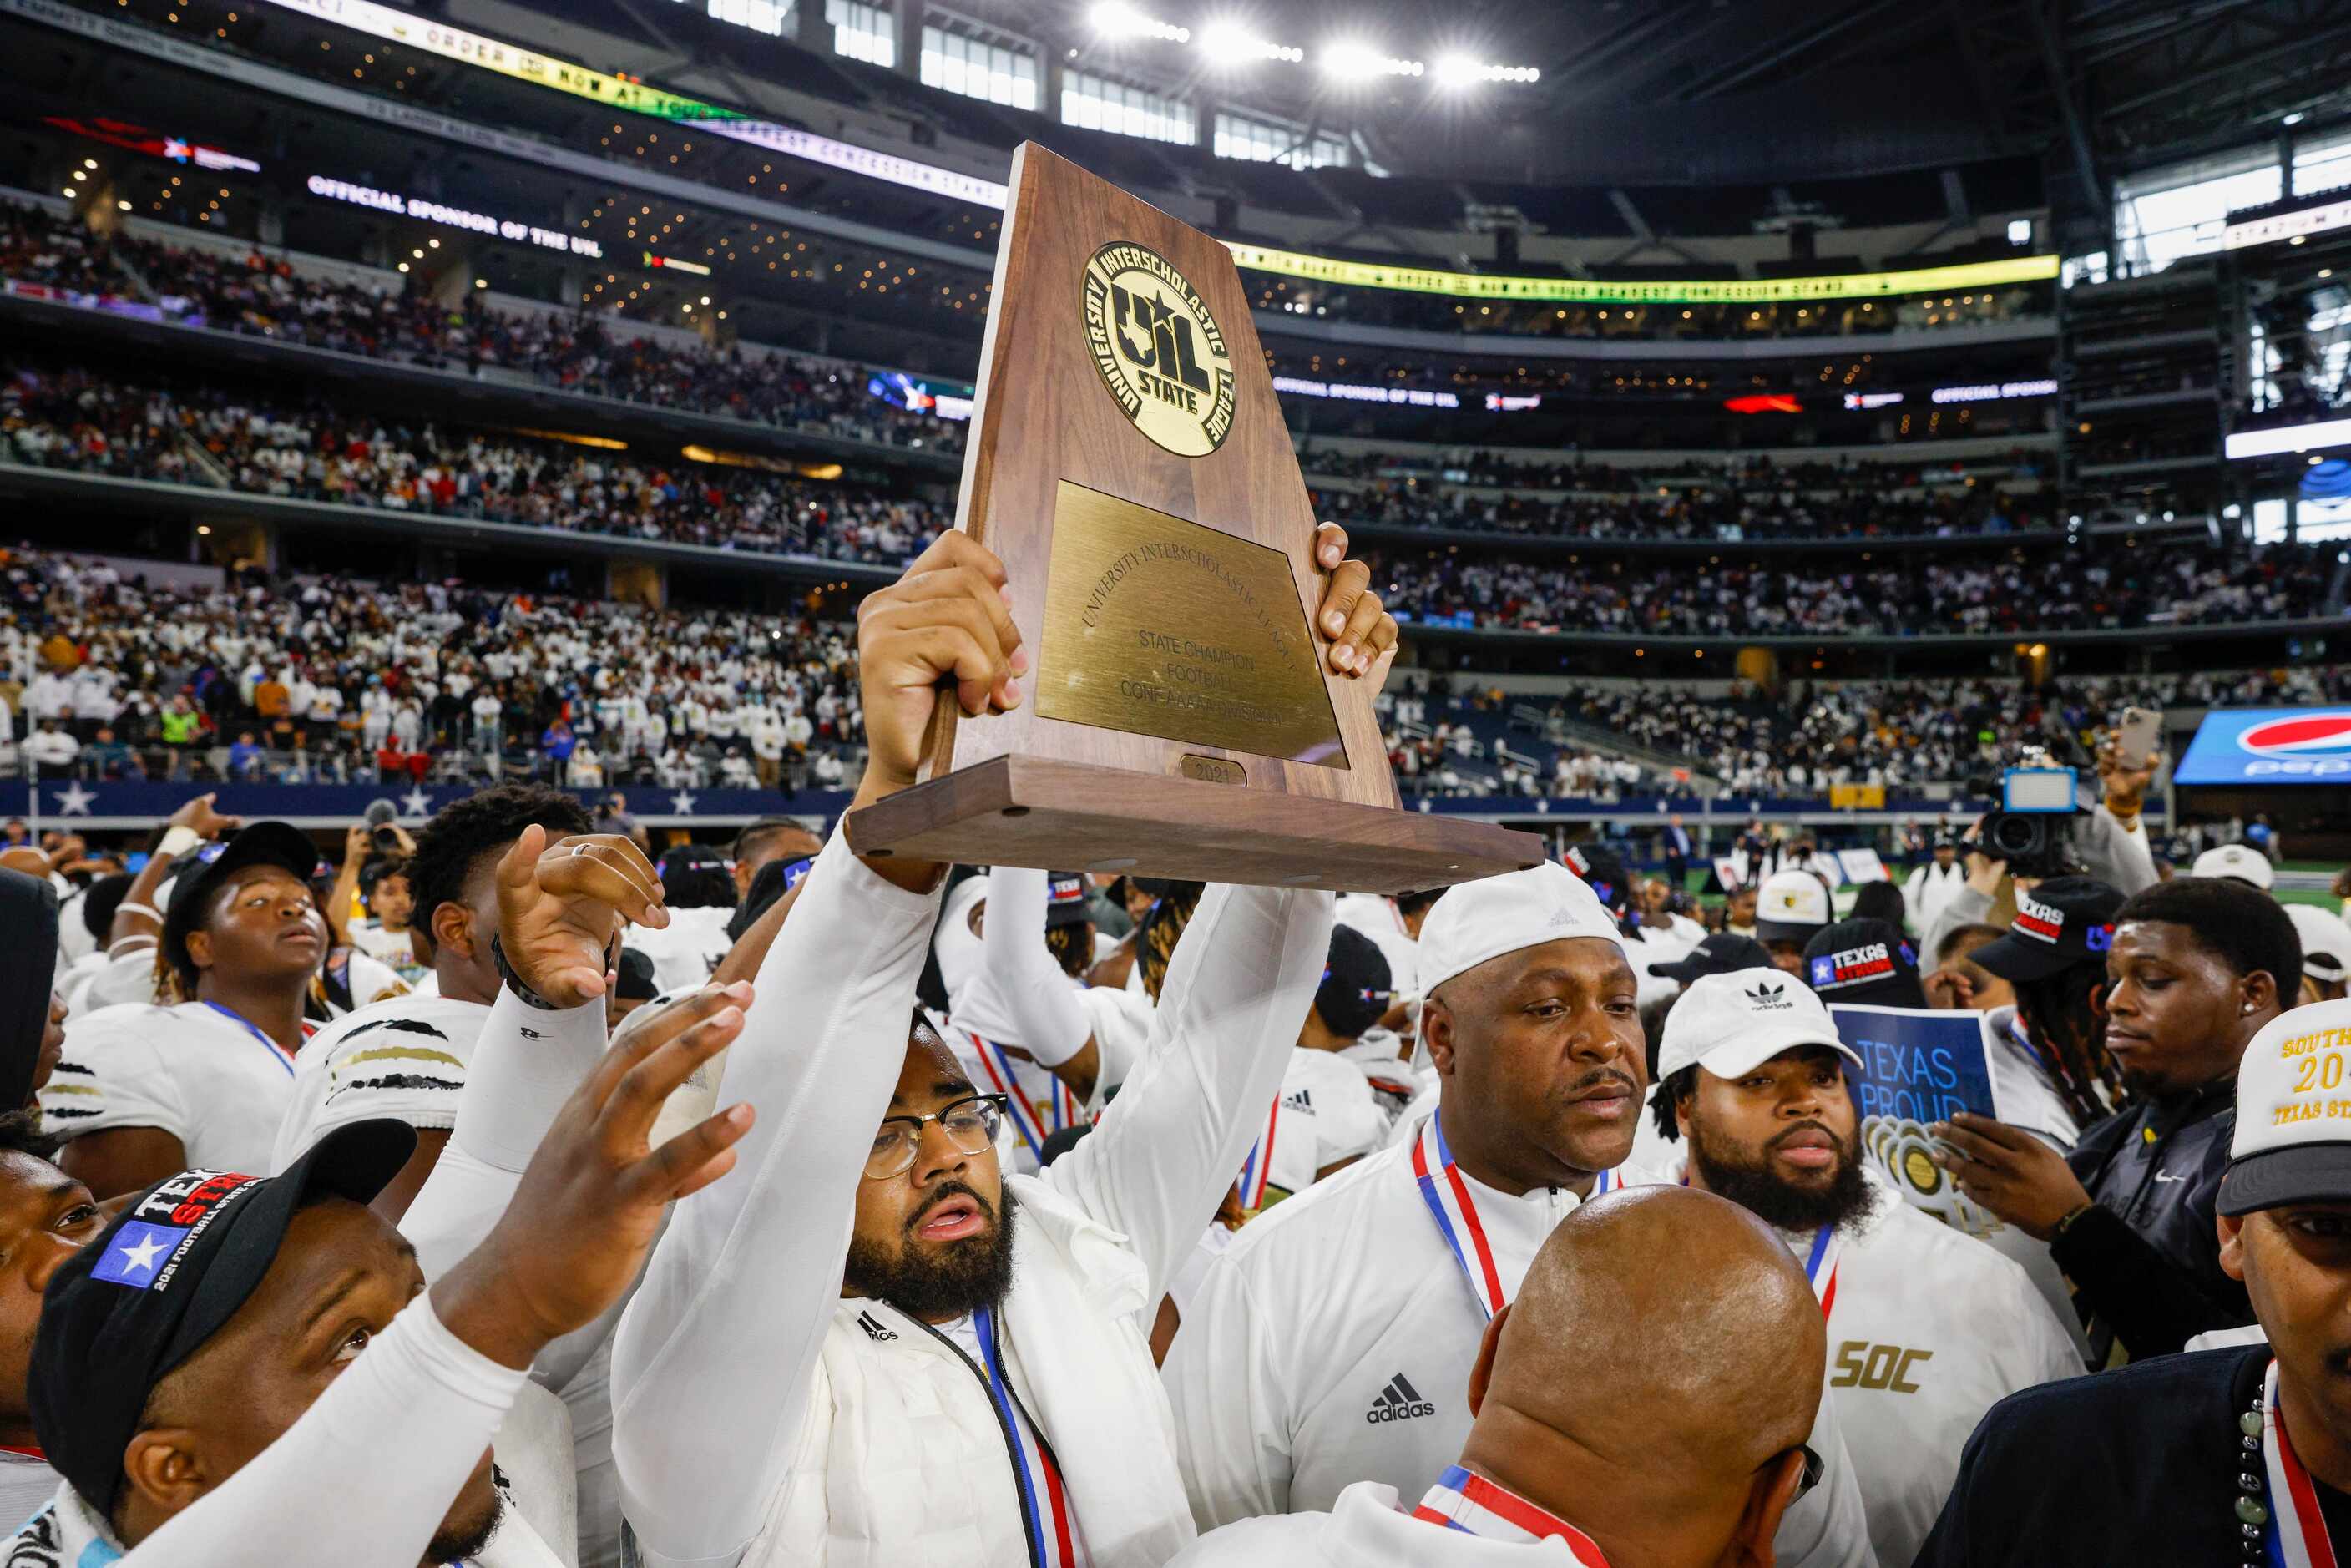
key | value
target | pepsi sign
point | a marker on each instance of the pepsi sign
(2269, 745)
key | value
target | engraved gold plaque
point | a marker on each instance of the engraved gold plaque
(1163, 627)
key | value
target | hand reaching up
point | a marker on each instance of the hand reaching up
(560, 906)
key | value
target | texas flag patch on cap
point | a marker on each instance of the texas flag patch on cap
(1853, 966)
(2043, 921)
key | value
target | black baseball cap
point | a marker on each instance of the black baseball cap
(1065, 899)
(1867, 961)
(1722, 953)
(1605, 874)
(2065, 921)
(634, 976)
(200, 875)
(1355, 990)
(169, 1273)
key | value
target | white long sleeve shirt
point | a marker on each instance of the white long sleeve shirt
(1332, 1344)
(412, 1416)
(1929, 1330)
(763, 1419)
(1369, 1526)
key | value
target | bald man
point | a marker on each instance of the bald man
(1330, 1343)
(1638, 1415)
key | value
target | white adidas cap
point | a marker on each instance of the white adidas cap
(2238, 860)
(1793, 907)
(1730, 1024)
(2326, 942)
(1484, 919)
(2292, 1142)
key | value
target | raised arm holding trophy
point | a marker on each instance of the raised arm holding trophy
(1130, 466)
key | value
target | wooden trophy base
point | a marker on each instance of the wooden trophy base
(1057, 815)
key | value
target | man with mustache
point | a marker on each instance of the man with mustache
(2194, 968)
(882, 1349)
(2228, 1457)
(1927, 1328)
(1330, 1342)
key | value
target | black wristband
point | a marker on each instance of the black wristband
(514, 982)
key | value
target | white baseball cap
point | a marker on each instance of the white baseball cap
(1484, 919)
(2293, 1143)
(2238, 860)
(1792, 907)
(1730, 1024)
(2326, 942)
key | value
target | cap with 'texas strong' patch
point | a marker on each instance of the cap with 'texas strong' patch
(169, 1273)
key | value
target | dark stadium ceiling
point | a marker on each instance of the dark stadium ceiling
(1714, 91)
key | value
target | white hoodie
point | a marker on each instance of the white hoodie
(758, 1421)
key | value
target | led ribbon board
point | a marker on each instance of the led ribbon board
(637, 97)
(1583, 291)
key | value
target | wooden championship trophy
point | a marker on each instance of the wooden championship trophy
(1128, 464)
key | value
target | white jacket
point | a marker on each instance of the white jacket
(758, 1421)
(1332, 1342)
(1368, 1527)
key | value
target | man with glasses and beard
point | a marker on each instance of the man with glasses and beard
(1927, 1328)
(874, 1347)
(1330, 1342)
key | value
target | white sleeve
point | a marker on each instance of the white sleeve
(412, 1414)
(1164, 1154)
(1826, 1528)
(113, 1074)
(1018, 996)
(713, 1361)
(526, 1063)
(1120, 1022)
(1233, 1420)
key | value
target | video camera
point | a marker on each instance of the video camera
(2040, 797)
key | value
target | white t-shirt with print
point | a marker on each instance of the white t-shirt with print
(195, 1071)
(404, 1059)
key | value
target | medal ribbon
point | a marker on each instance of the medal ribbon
(1476, 1505)
(276, 1052)
(1044, 1503)
(2295, 1535)
(1456, 1212)
(1004, 1080)
(1820, 1268)
(1256, 1168)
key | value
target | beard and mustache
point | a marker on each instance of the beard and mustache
(1756, 1187)
(938, 1282)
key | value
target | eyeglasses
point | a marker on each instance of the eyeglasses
(970, 1124)
(1814, 1469)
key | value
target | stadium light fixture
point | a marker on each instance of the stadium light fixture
(1112, 20)
(1355, 61)
(1461, 70)
(1226, 43)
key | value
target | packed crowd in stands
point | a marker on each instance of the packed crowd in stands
(2157, 585)
(260, 296)
(1456, 737)
(195, 435)
(108, 675)
(1755, 504)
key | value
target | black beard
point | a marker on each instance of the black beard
(457, 1540)
(938, 1282)
(1755, 1189)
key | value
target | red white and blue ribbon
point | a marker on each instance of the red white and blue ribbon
(996, 1064)
(1476, 1505)
(1446, 1195)
(1259, 1166)
(1044, 1500)
(2295, 1535)
(1820, 1266)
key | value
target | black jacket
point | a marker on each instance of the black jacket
(2145, 1262)
(2138, 1466)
